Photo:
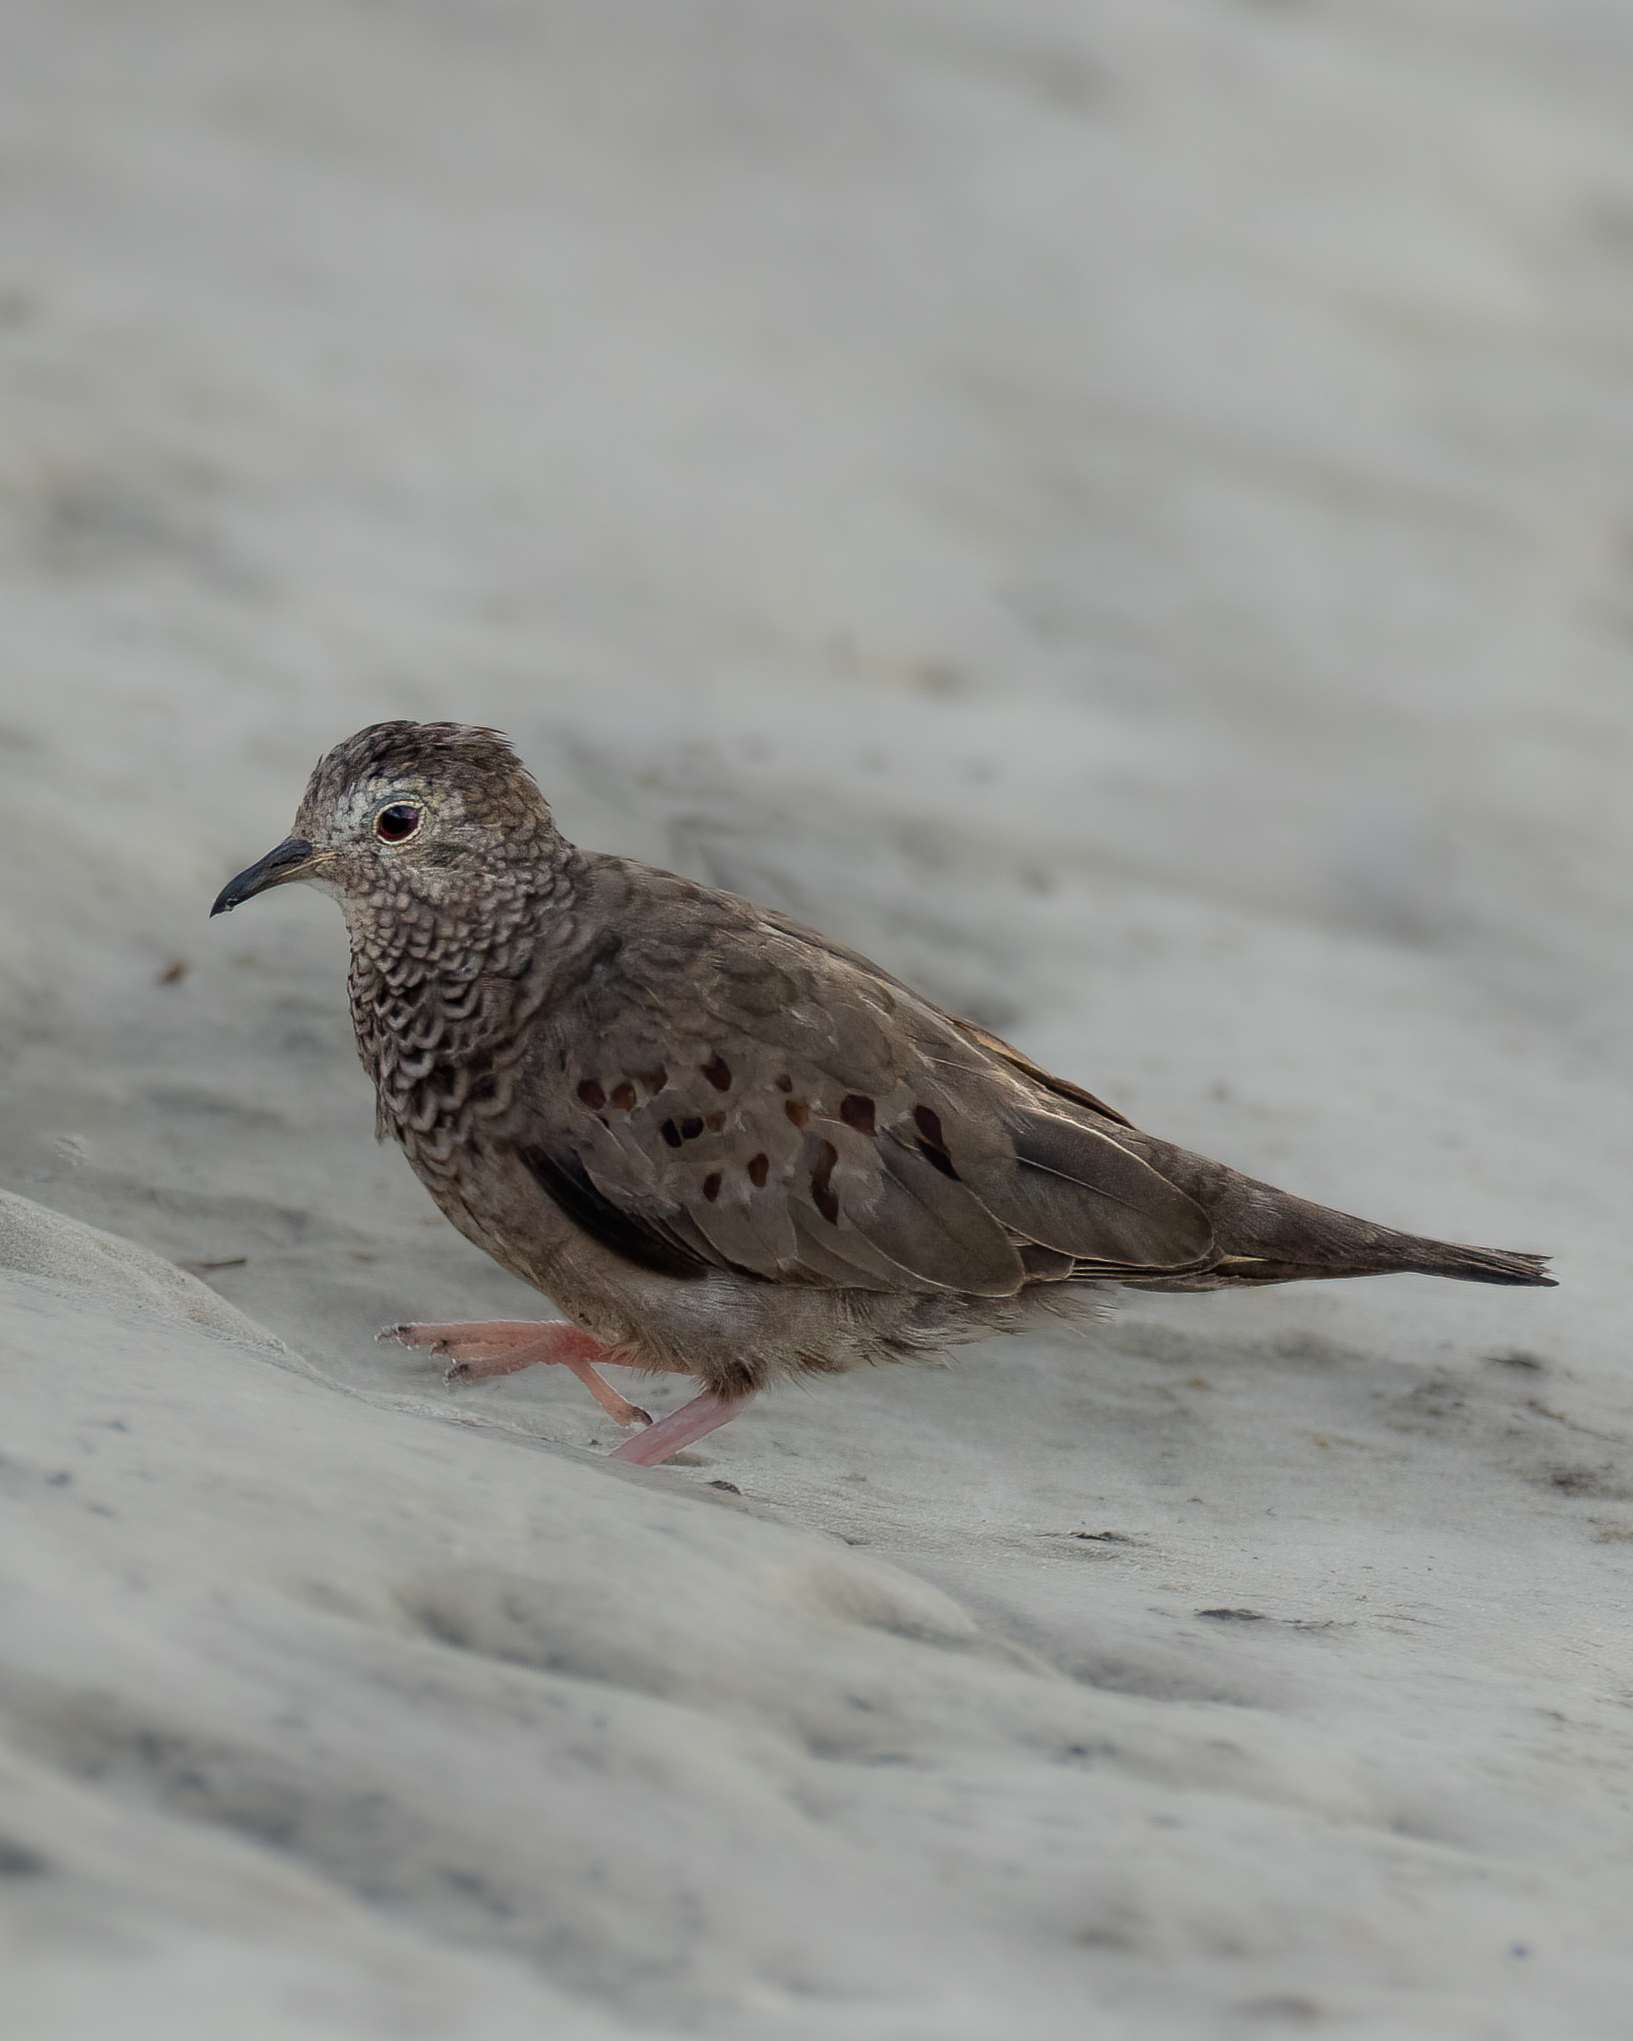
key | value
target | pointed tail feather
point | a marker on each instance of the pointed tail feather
(1385, 1254)
(1480, 1264)
(1265, 1235)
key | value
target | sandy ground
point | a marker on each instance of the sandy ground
(1123, 511)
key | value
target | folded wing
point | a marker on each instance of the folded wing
(799, 1119)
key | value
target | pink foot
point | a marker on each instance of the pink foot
(694, 1420)
(506, 1346)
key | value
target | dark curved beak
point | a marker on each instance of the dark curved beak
(291, 860)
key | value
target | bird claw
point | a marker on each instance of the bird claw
(403, 1335)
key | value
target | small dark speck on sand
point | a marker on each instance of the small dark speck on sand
(1235, 1615)
(1290, 2006)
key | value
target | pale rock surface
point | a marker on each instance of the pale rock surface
(1122, 511)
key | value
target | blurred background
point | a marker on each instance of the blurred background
(1122, 511)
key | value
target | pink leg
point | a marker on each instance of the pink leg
(504, 1347)
(694, 1420)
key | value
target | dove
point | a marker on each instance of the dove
(721, 1144)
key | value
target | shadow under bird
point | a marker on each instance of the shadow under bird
(723, 1145)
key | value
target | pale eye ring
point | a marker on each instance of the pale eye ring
(397, 823)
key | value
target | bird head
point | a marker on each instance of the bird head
(427, 810)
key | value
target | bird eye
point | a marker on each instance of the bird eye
(397, 823)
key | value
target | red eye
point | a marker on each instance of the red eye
(397, 823)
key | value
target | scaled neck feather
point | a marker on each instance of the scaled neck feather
(443, 994)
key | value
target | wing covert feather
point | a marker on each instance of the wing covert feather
(774, 1107)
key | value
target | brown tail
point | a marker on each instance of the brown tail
(1269, 1237)
(1481, 1264)
(1403, 1255)
(1263, 1235)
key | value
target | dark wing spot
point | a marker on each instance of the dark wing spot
(671, 1133)
(711, 1185)
(798, 1112)
(929, 1125)
(690, 1129)
(933, 1146)
(857, 1112)
(654, 1080)
(646, 1242)
(785, 1084)
(592, 1094)
(718, 1071)
(758, 1170)
(623, 1097)
(826, 1203)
